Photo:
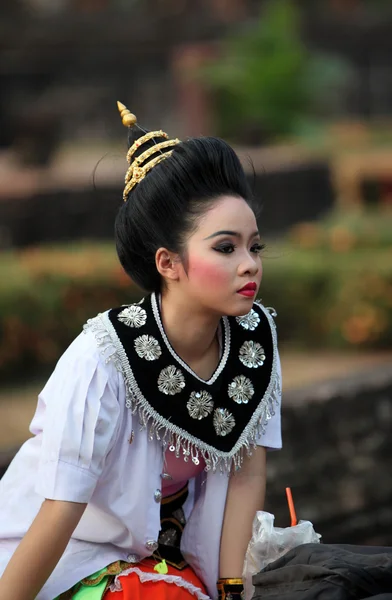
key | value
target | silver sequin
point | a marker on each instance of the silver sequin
(171, 381)
(179, 515)
(249, 321)
(133, 316)
(147, 347)
(223, 421)
(200, 404)
(241, 389)
(168, 537)
(252, 354)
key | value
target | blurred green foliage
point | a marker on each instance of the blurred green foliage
(47, 294)
(266, 84)
(337, 280)
(330, 299)
(341, 231)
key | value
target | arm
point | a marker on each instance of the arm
(40, 550)
(245, 497)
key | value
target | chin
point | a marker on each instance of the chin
(241, 307)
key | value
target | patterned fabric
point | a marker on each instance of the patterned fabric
(217, 419)
(141, 582)
(94, 586)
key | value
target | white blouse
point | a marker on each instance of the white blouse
(88, 447)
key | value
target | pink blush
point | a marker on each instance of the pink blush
(207, 273)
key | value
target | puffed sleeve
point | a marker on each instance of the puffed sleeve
(272, 436)
(77, 418)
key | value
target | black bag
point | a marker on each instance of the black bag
(327, 572)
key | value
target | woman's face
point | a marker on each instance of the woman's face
(223, 257)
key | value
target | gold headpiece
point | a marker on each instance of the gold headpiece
(137, 170)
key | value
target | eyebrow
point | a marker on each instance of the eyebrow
(228, 232)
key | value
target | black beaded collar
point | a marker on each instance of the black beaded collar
(216, 419)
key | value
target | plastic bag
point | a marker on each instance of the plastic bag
(269, 543)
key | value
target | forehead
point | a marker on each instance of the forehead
(229, 212)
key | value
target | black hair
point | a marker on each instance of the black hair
(163, 209)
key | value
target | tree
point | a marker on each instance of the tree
(266, 82)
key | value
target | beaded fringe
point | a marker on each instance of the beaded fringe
(169, 435)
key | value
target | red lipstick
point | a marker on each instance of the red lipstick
(248, 290)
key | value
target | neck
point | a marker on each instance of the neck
(191, 330)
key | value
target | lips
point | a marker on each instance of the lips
(249, 287)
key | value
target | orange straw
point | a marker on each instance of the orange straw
(290, 501)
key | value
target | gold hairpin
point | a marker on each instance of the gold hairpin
(139, 173)
(142, 140)
(139, 160)
(128, 119)
(137, 170)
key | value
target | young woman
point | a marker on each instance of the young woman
(148, 459)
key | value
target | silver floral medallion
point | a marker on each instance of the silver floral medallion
(147, 347)
(133, 316)
(200, 405)
(249, 321)
(241, 389)
(171, 381)
(223, 421)
(252, 354)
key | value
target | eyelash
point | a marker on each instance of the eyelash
(257, 248)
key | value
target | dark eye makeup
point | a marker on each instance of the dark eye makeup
(257, 248)
(228, 248)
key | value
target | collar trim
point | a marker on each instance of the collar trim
(226, 344)
(172, 436)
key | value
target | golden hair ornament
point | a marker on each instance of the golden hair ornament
(142, 164)
(142, 140)
(128, 119)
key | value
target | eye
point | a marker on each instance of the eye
(257, 248)
(225, 248)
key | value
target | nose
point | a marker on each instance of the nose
(250, 264)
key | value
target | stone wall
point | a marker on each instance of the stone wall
(337, 458)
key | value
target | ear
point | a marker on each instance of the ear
(168, 264)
